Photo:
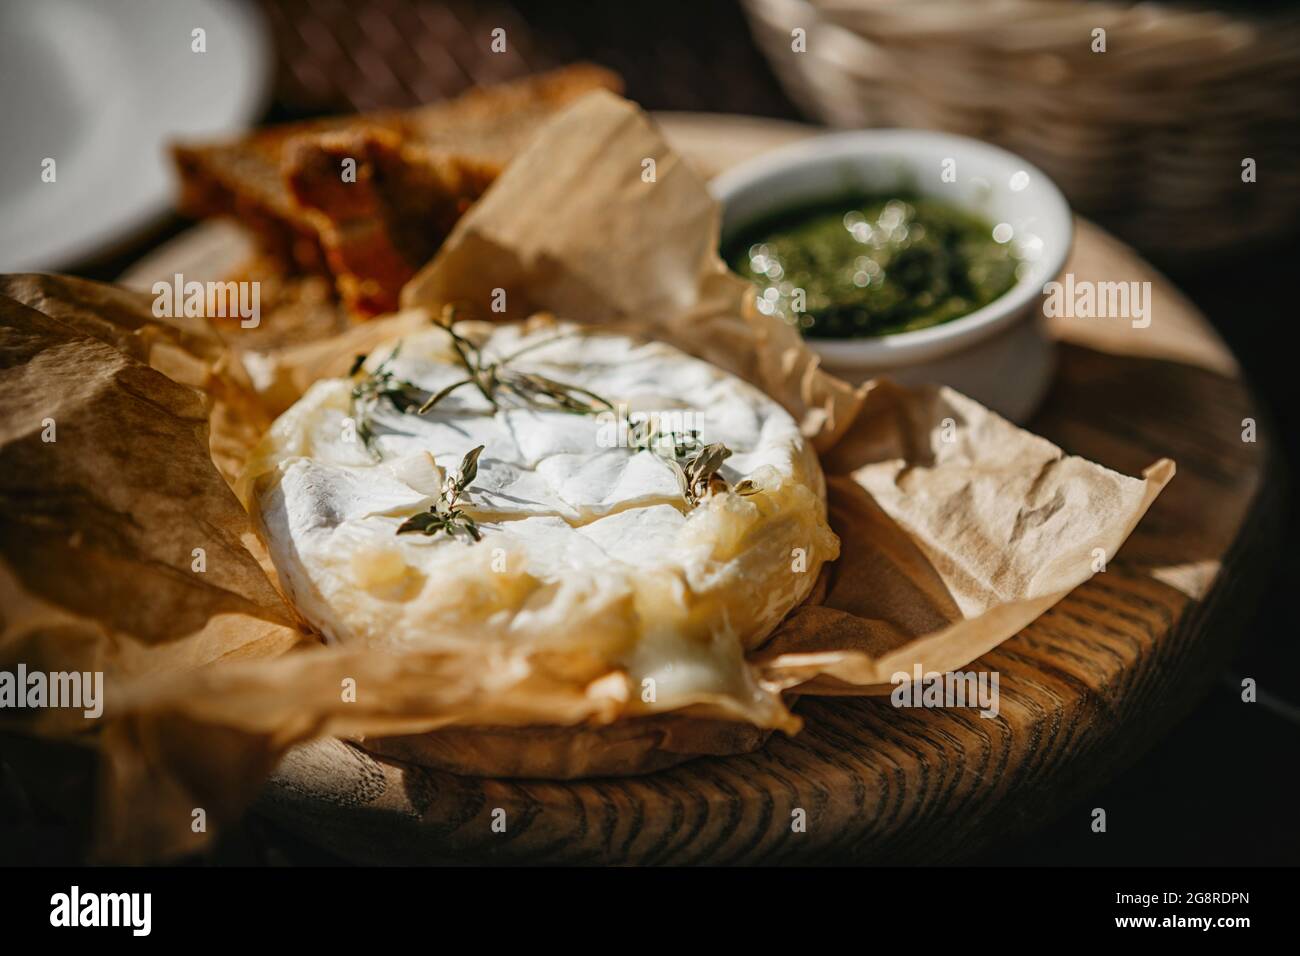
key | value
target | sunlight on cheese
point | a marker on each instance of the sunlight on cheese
(374, 567)
(418, 471)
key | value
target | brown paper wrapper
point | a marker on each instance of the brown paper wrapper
(957, 527)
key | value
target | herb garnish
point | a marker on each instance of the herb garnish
(490, 377)
(698, 474)
(444, 515)
(695, 465)
(377, 386)
(535, 390)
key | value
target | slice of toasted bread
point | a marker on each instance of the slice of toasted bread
(377, 229)
(416, 171)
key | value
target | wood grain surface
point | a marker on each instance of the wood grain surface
(1085, 690)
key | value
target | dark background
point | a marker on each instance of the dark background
(1220, 789)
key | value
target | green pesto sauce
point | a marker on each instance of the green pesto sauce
(872, 265)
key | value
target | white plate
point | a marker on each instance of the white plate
(102, 88)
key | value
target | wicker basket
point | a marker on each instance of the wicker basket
(1148, 137)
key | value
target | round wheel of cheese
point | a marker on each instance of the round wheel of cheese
(575, 515)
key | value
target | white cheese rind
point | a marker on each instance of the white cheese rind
(591, 562)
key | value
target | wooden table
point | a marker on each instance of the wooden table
(1085, 690)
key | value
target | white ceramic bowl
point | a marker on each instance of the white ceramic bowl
(999, 354)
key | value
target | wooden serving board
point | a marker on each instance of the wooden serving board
(1085, 689)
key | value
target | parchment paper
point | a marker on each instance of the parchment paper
(957, 527)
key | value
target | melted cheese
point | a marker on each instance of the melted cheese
(591, 561)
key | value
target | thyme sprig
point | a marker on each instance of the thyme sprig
(698, 474)
(445, 514)
(644, 435)
(492, 378)
(380, 385)
(695, 464)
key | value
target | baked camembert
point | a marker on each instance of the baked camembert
(548, 500)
